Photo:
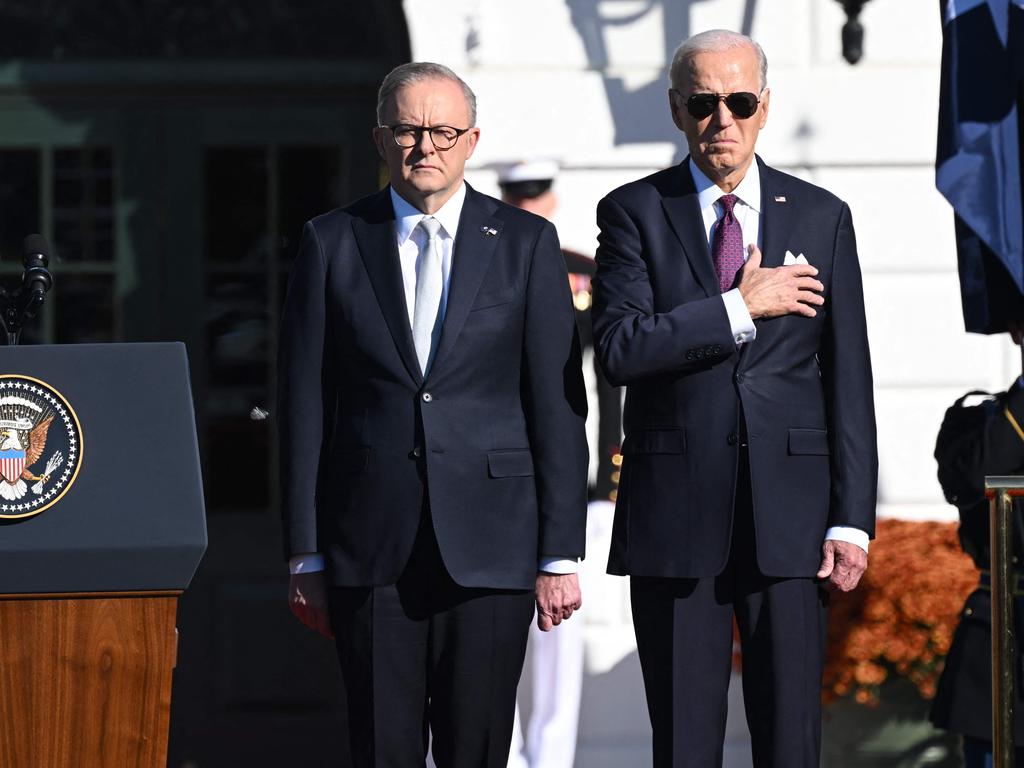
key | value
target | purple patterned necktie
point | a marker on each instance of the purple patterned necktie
(727, 244)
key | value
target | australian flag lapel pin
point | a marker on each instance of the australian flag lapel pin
(780, 198)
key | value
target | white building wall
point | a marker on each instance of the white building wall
(584, 82)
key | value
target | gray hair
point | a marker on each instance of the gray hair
(714, 40)
(415, 72)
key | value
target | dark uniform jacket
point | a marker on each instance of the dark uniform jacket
(609, 399)
(963, 701)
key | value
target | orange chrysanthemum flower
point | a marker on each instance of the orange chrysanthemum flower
(900, 620)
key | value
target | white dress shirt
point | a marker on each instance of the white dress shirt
(411, 241)
(748, 214)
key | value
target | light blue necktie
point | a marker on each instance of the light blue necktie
(428, 293)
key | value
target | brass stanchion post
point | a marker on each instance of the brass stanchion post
(1000, 491)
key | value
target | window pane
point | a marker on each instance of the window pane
(19, 201)
(237, 232)
(236, 205)
(83, 212)
(309, 183)
(236, 331)
(72, 30)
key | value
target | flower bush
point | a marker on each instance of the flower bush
(900, 620)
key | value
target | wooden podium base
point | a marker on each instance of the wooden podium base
(85, 679)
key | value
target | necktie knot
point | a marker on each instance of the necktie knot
(431, 226)
(728, 202)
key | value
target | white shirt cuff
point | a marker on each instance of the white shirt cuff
(740, 322)
(310, 563)
(560, 565)
(848, 534)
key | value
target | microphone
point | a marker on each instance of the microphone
(36, 280)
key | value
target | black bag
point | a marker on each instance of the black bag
(958, 449)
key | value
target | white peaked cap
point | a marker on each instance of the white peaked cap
(528, 170)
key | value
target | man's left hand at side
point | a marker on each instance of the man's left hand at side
(842, 565)
(558, 595)
(307, 599)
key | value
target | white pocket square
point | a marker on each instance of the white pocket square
(791, 259)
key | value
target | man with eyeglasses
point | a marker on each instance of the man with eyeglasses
(434, 459)
(728, 300)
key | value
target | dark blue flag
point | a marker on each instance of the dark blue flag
(978, 160)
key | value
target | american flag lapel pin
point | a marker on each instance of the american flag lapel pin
(489, 231)
(780, 198)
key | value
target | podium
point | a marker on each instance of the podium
(102, 526)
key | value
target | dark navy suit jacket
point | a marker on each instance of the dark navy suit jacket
(803, 386)
(493, 439)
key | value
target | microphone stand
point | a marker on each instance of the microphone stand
(23, 303)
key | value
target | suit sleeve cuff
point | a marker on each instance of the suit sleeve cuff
(558, 565)
(740, 322)
(848, 534)
(305, 563)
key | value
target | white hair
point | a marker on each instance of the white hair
(714, 40)
(418, 71)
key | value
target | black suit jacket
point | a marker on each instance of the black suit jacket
(493, 438)
(802, 390)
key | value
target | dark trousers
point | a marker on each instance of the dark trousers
(684, 638)
(427, 656)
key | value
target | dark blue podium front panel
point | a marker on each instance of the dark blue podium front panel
(130, 516)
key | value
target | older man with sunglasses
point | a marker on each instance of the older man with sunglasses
(728, 299)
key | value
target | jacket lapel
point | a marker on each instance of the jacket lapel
(776, 222)
(683, 212)
(475, 243)
(776, 216)
(378, 248)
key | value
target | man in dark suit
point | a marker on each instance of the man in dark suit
(749, 458)
(432, 437)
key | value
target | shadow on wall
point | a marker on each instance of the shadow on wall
(594, 19)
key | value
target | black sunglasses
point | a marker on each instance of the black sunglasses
(742, 104)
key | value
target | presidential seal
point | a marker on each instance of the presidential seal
(40, 446)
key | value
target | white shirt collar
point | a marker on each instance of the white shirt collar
(748, 190)
(408, 216)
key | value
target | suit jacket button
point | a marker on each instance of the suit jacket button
(732, 439)
(738, 378)
(718, 349)
(416, 452)
(427, 397)
(689, 354)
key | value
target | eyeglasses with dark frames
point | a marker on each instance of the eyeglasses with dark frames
(443, 137)
(742, 104)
